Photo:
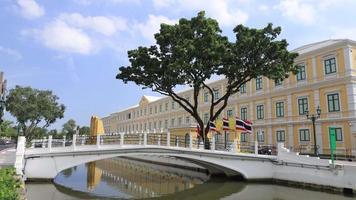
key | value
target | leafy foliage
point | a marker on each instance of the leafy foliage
(9, 185)
(32, 108)
(84, 130)
(69, 128)
(7, 129)
(192, 51)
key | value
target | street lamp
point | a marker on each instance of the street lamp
(313, 118)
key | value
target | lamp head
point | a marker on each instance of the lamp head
(318, 111)
(306, 112)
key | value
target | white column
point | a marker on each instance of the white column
(213, 143)
(315, 76)
(159, 140)
(190, 141)
(177, 141)
(50, 143)
(44, 142)
(139, 139)
(289, 107)
(121, 139)
(145, 139)
(348, 60)
(64, 141)
(98, 141)
(168, 139)
(256, 147)
(74, 145)
(269, 133)
(291, 135)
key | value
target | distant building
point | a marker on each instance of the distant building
(327, 78)
(2, 84)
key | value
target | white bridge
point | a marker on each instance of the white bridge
(56, 155)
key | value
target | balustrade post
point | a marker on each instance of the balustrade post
(213, 143)
(168, 139)
(50, 143)
(159, 140)
(256, 147)
(139, 139)
(190, 141)
(121, 139)
(98, 141)
(64, 141)
(145, 139)
(82, 140)
(74, 141)
(234, 146)
(44, 142)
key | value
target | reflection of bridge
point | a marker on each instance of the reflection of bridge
(46, 163)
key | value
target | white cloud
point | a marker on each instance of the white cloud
(30, 9)
(152, 26)
(10, 52)
(101, 24)
(300, 11)
(225, 11)
(60, 36)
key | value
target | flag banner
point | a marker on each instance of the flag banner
(212, 126)
(225, 124)
(240, 124)
(248, 126)
(197, 130)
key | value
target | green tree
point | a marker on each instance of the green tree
(7, 129)
(33, 109)
(84, 130)
(69, 128)
(192, 51)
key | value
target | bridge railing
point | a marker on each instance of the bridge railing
(148, 138)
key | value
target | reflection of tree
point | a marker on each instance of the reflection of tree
(67, 172)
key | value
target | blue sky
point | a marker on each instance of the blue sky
(75, 47)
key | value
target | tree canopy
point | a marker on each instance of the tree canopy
(69, 128)
(33, 109)
(194, 50)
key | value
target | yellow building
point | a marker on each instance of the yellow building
(277, 108)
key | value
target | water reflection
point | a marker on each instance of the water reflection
(127, 179)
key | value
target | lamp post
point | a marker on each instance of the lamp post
(313, 118)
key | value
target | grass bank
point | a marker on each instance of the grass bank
(10, 185)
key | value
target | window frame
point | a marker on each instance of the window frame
(338, 102)
(280, 133)
(259, 83)
(338, 139)
(260, 113)
(328, 69)
(304, 131)
(301, 75)
(260, 136)
(299, 106)
(243, 115)
(279, 109)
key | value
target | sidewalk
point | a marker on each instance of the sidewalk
(7, 157)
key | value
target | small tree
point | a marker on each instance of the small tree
(84, 130)
(192, 51)
(33, 109)
(69, 128)
(7, 129)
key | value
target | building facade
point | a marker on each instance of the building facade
(327, 78)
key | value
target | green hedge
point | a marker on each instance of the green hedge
(9, 185)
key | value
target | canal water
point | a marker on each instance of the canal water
(125, 178)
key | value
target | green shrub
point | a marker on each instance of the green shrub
(9, 185)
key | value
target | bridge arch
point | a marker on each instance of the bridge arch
(47, 166)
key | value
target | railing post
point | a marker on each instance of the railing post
(190, 141)
(145, 139)
(74, 141)
(44, 142)
(159, 140)
(98, 141)
(168, 139)
(121, 139)
(50, 143)
(64, 141)
(234, 146)
(213, 143)
(83, 140)
(139, 139)
(256, 147)
(20, 152)
(177, 141)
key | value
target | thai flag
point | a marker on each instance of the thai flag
(240, 124)
(226, 124)
(248, 126)
(212, 126)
